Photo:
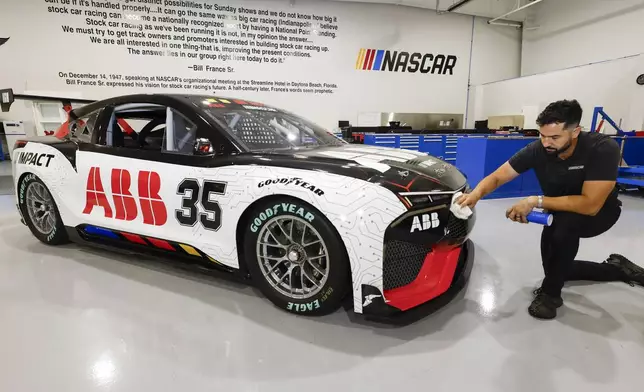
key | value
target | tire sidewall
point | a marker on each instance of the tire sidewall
(330, 297)
(58, 234)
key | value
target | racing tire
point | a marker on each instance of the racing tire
(296, 257)
(40, 212)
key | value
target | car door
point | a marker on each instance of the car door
(149, 178)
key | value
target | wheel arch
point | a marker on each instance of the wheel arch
(21, 178)
(57, 235)
(245, 217)
(41, 178)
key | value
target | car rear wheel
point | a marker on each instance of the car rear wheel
(40, 212)
(296, 257)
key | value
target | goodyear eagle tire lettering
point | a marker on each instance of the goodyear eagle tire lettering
(307, 255)
(57, 235)
(268, 213)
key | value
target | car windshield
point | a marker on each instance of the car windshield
(263, 128)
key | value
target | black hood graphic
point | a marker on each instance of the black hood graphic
(3, 40)
(394, 169)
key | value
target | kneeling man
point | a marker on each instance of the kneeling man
(577, 172)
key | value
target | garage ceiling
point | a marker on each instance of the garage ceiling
(485, 8)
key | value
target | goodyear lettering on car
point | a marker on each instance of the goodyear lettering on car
(292, 181)
(276, 209)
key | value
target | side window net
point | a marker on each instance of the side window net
(254, 132)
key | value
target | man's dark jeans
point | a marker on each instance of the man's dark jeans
(560, 243)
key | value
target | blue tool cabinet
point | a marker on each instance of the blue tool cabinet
(479, 155)
(475, 155)
(440, 146)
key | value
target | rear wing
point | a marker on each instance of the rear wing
(7, 98)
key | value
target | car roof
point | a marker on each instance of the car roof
(193, 100)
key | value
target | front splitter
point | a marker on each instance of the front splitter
(378, 310)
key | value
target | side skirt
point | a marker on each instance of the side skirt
(175, 253)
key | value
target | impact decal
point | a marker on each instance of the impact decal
(151, 205)
(292, 181)
(394, 61)
(32, 158)
(277, 209)
(429, 221)
(194, 193)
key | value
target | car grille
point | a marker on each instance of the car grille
(402, 263)
(457, 228)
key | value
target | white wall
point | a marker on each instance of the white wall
(496, 55)
(583, 49)
(576, 32)
(37, 38)
(609, 84)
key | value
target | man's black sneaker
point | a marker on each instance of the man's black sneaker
(544, 306)
(632, 272)
(558, 301)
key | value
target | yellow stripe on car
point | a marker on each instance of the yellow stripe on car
(190, 250)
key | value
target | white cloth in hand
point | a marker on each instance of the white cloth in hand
(459, 211)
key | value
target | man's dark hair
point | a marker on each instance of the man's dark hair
(565, 111)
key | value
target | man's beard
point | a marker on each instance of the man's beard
(560, 150)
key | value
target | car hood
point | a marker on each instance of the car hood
(396, 169)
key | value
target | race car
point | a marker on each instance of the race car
(262, 193)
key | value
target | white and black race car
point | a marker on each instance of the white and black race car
(254, 190)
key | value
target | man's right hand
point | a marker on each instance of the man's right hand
(500, 176)
(468, 200)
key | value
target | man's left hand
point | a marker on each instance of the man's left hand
(520, 211)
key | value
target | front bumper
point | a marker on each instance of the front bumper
(444, 273)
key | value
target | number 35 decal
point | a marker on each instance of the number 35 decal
(193, 193)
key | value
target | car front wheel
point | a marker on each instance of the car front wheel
(296, 257)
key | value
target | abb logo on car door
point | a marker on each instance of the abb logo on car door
(126, 207)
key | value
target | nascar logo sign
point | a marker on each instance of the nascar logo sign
(394, 61)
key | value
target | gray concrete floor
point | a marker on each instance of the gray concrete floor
(6, 180)
(74, 319)
(5, 168)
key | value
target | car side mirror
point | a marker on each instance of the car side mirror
(203, 147)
